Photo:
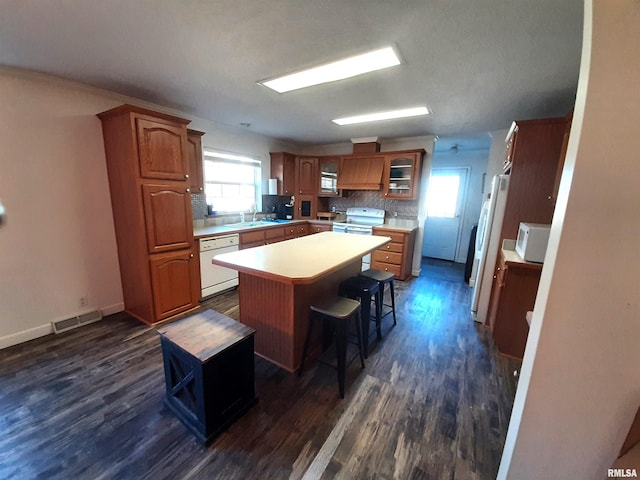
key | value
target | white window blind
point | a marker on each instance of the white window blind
(232, 182)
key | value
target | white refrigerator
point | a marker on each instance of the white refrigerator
(488, 245)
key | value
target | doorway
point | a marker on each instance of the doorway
(445, 204)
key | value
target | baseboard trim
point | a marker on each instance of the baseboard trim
(46, 329)
(25, 335)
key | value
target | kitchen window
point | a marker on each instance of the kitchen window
(232, 182)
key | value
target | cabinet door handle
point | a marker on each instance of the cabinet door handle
(188, 190)
(191, 255)
(186, 175)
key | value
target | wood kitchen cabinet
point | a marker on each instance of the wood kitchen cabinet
(306, 207)
(402, 175)
(162, 148)
(173, 281)
(535, 158)
(283, 167)
(296, 230)
(167, 216)
(322, 226)
(514, 293)
(306, 175)
(147, 164)
(194, 156)
(396, 256)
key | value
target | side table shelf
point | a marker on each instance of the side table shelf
(209, 371)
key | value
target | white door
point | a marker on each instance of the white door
(445, 200)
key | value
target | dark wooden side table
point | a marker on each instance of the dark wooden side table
(209, 371)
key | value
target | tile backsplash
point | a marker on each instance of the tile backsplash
(405, 209)
(199, 205)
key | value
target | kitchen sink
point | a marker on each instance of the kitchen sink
(257, 223)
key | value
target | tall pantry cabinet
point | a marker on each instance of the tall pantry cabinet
(148, 167)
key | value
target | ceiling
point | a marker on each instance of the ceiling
(477, 64)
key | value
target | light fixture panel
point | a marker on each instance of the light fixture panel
(338, 70)
(379, 116)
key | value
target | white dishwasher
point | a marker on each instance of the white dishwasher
(214, 278)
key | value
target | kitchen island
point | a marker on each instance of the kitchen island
(279, 282)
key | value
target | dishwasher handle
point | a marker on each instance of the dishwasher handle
(222, 241)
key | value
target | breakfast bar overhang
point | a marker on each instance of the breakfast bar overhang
(279, 282)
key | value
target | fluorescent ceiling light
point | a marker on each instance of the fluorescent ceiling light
(345, 68)
(374, 117)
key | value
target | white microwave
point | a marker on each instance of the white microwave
(532, 241)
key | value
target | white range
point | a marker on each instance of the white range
(360, 221)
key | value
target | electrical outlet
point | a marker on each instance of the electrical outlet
(84, 301)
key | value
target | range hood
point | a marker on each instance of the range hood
(361, 173)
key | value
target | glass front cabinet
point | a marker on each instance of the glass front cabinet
(402, 175)
(328, 177)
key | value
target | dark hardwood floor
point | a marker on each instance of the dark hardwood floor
(432, 403)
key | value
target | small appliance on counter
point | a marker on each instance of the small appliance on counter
(532, 240)
(284, 212)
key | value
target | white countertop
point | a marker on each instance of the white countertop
(302, 260)
(211, 230)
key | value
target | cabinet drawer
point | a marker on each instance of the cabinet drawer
(395, 236)
(392, 247)
(272, 233)
(387, 257)
(251, 237)
(259, 243)
(386, 267)
(295, 230)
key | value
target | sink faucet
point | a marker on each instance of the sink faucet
(254, 214)
(242, 217)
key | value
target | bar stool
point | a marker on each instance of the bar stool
(383, 278)
(339, 310)
(365, 289)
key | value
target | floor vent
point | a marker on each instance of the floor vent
(77, 321)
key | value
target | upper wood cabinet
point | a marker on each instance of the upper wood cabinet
(194, 156)
(402, 175)
(306, 175)
(283, 167)
(536, 154)
(162, 149)
(328, 168)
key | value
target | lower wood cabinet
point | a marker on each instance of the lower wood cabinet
(295, 231)
(515, 287)
(317, 227)
(396, 256)
(273, 235)
(174, 282)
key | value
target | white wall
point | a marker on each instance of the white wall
(476, 163)
(59, 244)
(580, 382)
